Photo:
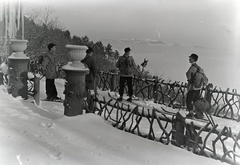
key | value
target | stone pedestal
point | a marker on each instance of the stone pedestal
(1, 78)
(74, 91)
(18, 68)
(75, 81)
(37, 90)
(18, 76)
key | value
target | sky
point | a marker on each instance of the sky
(42, 135)
(165, 32)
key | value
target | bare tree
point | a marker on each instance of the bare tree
(44, 16)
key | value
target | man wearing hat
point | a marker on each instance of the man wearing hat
(193, 93)
(90, 78)
(126, 64)
(49, 69)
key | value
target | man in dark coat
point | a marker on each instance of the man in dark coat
(126, 65)
(49, 69)
(90, 80)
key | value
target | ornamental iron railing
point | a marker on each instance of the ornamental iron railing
(159, 125)
(225, 104)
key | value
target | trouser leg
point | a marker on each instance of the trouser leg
(121, 85)
(130, 88)
(192, 96)
(197, 97)
(54, 89)
(48, 88)
(51, 90)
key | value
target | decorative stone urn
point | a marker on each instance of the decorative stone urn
(18, 47)
(75, 81)
(76, 53)
(18, 68)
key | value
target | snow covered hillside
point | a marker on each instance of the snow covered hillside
(36, 135)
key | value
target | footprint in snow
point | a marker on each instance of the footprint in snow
(54, 152)
(48, 125)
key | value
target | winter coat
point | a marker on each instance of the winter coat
(49, 66)
(89, 62)
(190, 76)
(126, 65)
(4, 68)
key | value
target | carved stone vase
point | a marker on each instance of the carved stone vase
(18, 47)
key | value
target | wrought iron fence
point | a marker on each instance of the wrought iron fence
(225, 104)
(202, 139)
(211, 141)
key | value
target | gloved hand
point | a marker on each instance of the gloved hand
(92, 93)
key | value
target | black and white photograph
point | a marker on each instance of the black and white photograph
(119, 82)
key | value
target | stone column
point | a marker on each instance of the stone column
(18, 68)
(36, 90)
(1, 78)
(75, 81)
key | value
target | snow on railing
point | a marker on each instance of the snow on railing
(159, 125)
(221, 143)
(225, 104)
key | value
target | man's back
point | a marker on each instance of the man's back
(49, 66)
(126, 64)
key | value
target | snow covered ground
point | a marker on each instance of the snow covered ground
(44, 136)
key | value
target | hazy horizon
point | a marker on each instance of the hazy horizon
(165, 32)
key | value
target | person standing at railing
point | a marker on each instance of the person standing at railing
(126, 64)
(49, 68)
(196, 80)
(90, 78)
